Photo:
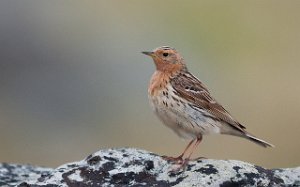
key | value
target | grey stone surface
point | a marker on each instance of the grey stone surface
(13, 174)
(132, 167)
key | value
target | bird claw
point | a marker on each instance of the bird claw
(184, 163)
(182, 166)
(177, 160)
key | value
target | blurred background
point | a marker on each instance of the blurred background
(73, 80)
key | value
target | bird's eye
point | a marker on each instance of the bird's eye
(165, 54)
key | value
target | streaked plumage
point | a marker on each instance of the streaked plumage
(185, 105)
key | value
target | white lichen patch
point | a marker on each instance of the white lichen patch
(289, 176)
(76, 176)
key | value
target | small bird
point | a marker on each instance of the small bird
(183, 103)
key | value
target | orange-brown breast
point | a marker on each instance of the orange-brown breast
(158, 82)
(162, 75)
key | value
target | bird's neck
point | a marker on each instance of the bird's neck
(170, 69)
(161, 78)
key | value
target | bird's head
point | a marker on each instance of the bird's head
(166, 59)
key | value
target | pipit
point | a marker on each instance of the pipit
(183, 103)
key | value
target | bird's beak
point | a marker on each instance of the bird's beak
(148, 53)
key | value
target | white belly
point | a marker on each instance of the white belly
(182, 118)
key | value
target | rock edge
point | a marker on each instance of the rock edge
(133, 167)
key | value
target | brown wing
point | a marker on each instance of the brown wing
(194, 91)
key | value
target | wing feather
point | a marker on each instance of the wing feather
(194, 91)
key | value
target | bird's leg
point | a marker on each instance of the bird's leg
(179, 158)
(187, 159)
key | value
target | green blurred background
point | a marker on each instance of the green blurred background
(73, 80)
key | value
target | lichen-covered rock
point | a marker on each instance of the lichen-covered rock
(132, 167)
(13, 174)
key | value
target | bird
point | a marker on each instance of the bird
(184, 104)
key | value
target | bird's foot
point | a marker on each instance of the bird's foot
(182, 166)
(177, 160)
(184, 163)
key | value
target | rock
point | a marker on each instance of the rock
(13, 174)
(132, 167)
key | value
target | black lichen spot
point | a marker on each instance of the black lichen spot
(251, 178)
(153, 154)
(108, 166)
(88, 175)
(174, 174)
(24, 184)
(123, 178)
(254, 179)
(140, 179)
(144, 177)
(149, 165)
(94, 160)
(123, 150)
(43, 176)
(208, 170)
(25, 175)
(133, 162)
(230, 184)
(199, 160)
(125, 155)
(270, 174)
(189, 167)
(236, 168)
(72, 165)
(110, 159)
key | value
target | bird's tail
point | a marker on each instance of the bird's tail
(258, 141)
